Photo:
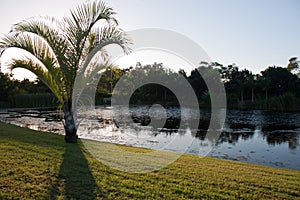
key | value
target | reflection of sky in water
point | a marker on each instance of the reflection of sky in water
(263, 137)
(257, 150)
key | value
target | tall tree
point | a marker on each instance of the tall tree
(264, 83)
(281, 80)
(59, 49)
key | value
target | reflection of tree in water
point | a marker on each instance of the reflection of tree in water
(232, 135)
(276, 134)
(273, 134)
(276, 137)
(244, 131)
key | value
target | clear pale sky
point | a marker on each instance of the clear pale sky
(253, 34)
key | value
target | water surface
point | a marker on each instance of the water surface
(263, 137)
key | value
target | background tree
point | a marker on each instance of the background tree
(294, 66)
(6, 87)
(264, 83)
(281, 80)
(59, 49)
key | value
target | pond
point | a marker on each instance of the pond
(254, 136)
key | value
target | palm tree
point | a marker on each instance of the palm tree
(60, 48)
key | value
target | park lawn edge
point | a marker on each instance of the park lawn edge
(38, 165)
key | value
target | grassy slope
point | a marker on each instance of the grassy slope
(37, 165)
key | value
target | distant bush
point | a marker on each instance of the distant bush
(286, 102)
(4, 104)
(35, 100)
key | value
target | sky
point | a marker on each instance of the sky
(252, 34)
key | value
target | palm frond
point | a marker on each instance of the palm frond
(88, 13)
(100, 38)
(53, 32)
(31, 43)
(36, 46)
(81, 22)
(44, 75)
(109, 35)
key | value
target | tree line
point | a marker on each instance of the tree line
(275, 88)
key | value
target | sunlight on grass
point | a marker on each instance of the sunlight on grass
(130, 159)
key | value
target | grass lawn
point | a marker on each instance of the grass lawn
(36, 165)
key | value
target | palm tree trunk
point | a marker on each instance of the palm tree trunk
(69, 124)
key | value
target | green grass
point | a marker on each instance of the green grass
(36, 165)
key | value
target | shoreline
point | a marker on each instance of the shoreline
(214, 153)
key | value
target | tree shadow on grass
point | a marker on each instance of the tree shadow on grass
(75, 180)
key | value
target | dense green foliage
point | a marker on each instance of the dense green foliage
(36, 165)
